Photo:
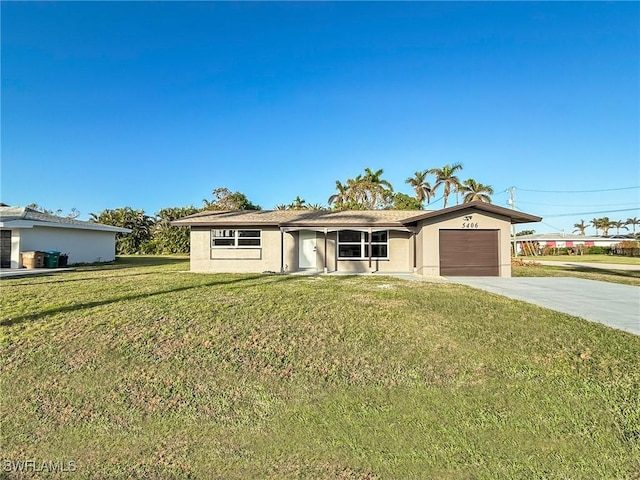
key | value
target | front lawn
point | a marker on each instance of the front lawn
(146, 371)
(613, 259)
(626, 277)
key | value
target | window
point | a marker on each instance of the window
(354, 245)
(236, 238)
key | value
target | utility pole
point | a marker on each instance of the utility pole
(512, 202)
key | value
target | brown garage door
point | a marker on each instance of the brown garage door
(469, 253)
(5, 248)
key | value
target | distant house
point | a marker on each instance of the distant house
(25, 229)
(468, 239)
(561, 240)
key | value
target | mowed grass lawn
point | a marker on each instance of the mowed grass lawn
(609, 274)
(612, 259)
(140, 370)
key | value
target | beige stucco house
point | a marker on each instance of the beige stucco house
(469, 239)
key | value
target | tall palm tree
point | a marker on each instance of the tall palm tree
(446, 177)
(618, 225)
(473, 191)
(580, 227)
(595, 223)
(605, 225)
(633, 222)
(420, 186)
(370, 191)
(379, 190)
(340, 198)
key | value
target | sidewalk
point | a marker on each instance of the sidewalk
(27, 272)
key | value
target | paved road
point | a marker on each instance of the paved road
(612, 304)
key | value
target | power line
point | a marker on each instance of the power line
(581, 205)
(579, 191)
(591, 213)
(545, 223)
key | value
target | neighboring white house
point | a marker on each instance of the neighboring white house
(561, 240)
(24, 229)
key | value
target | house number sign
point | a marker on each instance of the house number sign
(468, 223)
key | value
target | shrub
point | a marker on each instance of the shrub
(628, 248)
(595, 250)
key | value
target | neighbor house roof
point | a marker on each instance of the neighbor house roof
(341, 218)
(25, 217)
(564, 237)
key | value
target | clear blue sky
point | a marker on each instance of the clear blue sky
(152, 105)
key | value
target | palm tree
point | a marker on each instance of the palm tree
(446, 176)
(340, 198)
(473, 191)
(377, 190)
(618, 225)
(298, 204)
(364, 192)
(281, 206)
(633, 222)
(315, 207)
(605, 225)
(420, 186)
(580, 227)
(595, 223)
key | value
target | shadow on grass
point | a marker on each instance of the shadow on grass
(83, 306)
(49, 278)
(119, 264)
(604, 271)
(133, 262)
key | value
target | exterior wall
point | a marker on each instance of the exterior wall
(82, 246)
(419, 252)
(429, 242)
(267, 257)
(15, 248)
(241, 260)
(400, 257)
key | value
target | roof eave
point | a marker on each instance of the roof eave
(515, 217)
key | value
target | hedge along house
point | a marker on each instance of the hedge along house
(471, 239)
(25, 229)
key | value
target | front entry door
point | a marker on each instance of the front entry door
(5, 249)
(307, 249)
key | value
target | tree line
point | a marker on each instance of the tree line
(605, 224)
(366, 191)
(153, 234)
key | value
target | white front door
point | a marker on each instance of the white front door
(307, 249)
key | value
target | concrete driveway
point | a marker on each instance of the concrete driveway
(612, 304)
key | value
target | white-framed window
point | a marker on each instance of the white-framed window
(354, 245)
(236, 238)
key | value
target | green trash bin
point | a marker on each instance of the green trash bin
(51, 259)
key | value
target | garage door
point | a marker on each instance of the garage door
(469, 253)
(5, 248)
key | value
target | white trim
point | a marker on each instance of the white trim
(235, 239)
(11, 224)
(363, 243)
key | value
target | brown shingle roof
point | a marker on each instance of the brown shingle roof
(299, 217)
(355, 218)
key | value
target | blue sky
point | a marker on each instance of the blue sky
(152, 105)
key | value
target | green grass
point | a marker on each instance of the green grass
(626, 277)
(143, 371)
(613, 259)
